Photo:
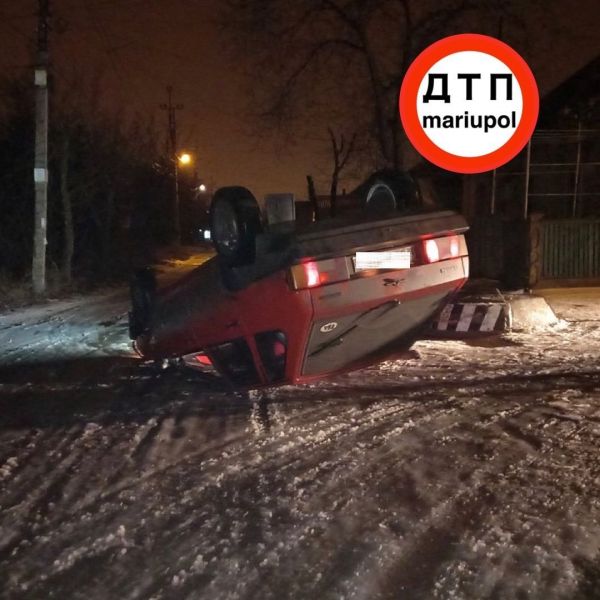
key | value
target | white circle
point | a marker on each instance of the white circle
(445, 122)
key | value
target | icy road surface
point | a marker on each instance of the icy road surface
(460, 471)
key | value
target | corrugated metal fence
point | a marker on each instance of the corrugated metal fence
(570, 249)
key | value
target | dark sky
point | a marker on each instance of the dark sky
(143, 45)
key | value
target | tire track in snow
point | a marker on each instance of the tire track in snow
(379, 494)
(179, 549)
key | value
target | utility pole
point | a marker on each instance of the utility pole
(40, 167)
(172, 150)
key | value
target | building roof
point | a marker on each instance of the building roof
(577, 96)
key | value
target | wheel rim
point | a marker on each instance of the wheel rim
(381, 199)
(226, 232)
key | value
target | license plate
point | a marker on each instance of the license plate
(390, 259)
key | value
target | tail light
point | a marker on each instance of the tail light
(432, 251)
(312, 274)
(443, 248)
(203, 360)
(454, 247)
(305, 275)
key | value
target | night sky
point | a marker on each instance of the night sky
(142, 46)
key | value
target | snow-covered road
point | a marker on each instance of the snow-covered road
(463, 470)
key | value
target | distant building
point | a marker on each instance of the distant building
(536, 220)
(560, 176)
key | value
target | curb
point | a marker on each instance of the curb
(530, 312)
(515, 312)
(479, 317)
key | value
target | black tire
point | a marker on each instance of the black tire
(234, 224)
(388, 191)
(143, 290)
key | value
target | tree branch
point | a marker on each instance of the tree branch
(291, 81)
(343, 15)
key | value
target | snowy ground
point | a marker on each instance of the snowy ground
(464, 470)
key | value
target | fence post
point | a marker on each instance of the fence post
(535, 249)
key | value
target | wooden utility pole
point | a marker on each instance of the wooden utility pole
(172, 144)
(40, 167)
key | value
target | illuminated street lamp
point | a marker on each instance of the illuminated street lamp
(202, 188)
(185, 158)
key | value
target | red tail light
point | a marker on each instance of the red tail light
(432, 251)
(311, 272)
(203, 360)
(454, 247)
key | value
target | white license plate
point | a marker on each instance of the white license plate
(390, 259)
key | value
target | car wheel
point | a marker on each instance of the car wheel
(235, 223)
(380, 199)
(389, 191)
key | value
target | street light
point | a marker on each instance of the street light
(185, 158)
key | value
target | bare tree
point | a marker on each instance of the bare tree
(342, 61)
(107, 192)
(96, 153)
(342, 152)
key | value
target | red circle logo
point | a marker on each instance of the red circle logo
(469, 103)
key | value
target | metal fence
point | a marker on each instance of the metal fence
(557, 174)
(543, 222)
(570, 249)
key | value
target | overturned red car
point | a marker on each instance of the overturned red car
(288, 303)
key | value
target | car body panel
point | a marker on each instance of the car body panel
(323, 330)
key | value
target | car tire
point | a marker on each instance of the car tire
(235, 222)
(389, 191)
